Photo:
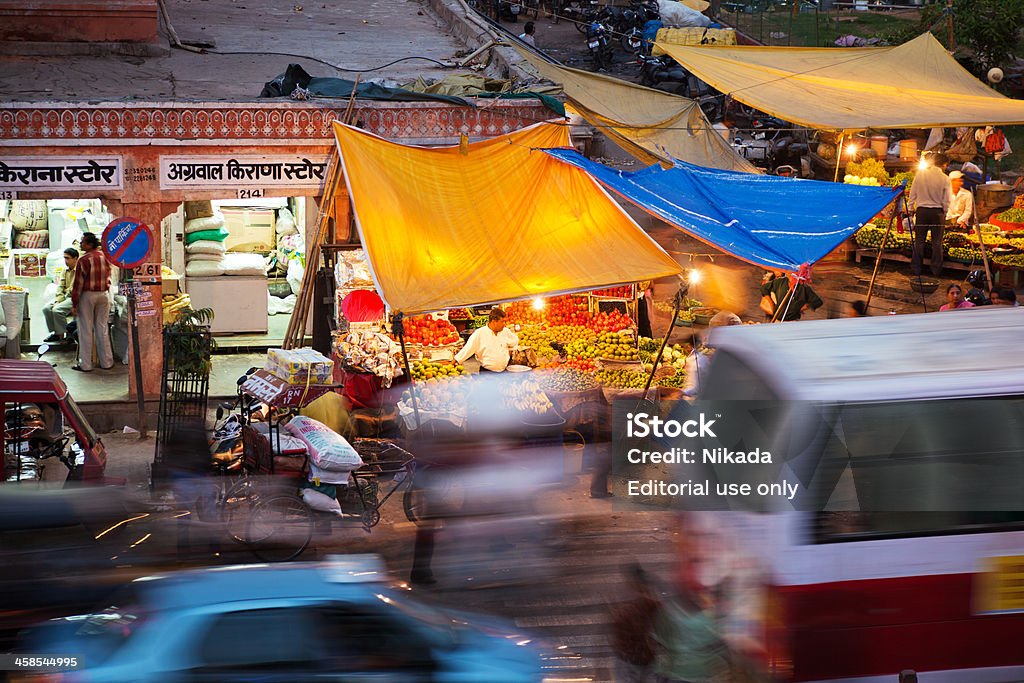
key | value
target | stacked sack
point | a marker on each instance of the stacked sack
(30, 220)
(204, 240)
(331, 462)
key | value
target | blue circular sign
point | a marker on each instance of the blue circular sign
(127, 242)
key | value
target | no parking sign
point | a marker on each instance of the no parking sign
(127, 242)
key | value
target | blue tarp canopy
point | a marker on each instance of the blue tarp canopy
(780, 223)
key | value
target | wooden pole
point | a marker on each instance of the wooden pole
(678, 303)
(296, 332)
(398, 330)
(878, 259)
(913, 227)
(839, 155)
(981, 242)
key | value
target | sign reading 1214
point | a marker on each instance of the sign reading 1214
(127, 242)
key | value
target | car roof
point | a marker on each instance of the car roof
(953, 354)
(196, 588)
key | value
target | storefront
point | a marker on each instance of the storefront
(254, 160)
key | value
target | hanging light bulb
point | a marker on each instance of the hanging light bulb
(694, 276)
(538, 303)
(851, 149)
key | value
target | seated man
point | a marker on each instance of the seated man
(492, 344)
(961, 209)
(57, 311)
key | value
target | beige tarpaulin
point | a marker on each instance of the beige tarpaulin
(699, 5)
(495, 220)
(649, 124)
(914, 85)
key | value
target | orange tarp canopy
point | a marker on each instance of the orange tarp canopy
(492, 221)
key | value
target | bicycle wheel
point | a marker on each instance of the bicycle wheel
(236, 507)
(279, 528)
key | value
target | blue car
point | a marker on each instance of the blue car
(333, 621)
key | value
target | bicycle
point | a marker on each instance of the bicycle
(280, 526)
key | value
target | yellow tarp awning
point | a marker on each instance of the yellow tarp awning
(652, 125)
(496, 221)
(914, 85)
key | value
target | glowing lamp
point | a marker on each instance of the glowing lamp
(538, 303)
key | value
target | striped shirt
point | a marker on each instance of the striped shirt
(92, 274)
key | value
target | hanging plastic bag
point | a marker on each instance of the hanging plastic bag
(294, 276)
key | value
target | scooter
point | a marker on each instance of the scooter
(599, 45)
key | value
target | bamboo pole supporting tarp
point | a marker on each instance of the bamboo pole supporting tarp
(981, 243)
(878, 259)
(296, 332)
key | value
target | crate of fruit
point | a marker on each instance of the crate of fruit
(625, 292)
(429, 352)
(615, 364)
(617, 385)
(703, 316)
(1011, 219)
(567, 387)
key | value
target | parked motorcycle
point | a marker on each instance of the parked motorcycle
(665, 72)
(772, 144)
(600, 46)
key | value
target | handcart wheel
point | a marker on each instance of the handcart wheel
(279, 528)
(371, 518)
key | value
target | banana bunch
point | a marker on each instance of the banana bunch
(173, 305)
(526, 397)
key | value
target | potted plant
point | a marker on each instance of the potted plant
(188, 345)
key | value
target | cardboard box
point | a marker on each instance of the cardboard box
(28, 262)
(199, 209)
(299, 366)
(249, 230)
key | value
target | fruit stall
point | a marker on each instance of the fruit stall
(572, 356)
(961, 251)
(577, 353)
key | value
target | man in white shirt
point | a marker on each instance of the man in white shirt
(527, 36)
(931, 194)
(491, 344)
(961, 209)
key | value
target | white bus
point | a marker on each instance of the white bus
(861, 596)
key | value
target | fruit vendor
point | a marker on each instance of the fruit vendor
(491, 345)
(961, 208)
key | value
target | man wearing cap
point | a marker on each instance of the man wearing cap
(961, 208)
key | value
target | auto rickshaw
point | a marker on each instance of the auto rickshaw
(42, 421)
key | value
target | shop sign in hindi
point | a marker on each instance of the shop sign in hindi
(60, 173)
(209, 172)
